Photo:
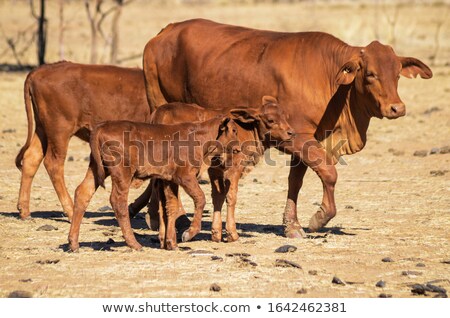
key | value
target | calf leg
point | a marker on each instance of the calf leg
(171, 209)
(218, 194)
(192, 188)
(141, 201)
(83, 195)
(32, 159)
(54, 163)
(233, 179)
(119, 198)
(292, 227)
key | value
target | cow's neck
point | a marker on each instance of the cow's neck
(343, 128)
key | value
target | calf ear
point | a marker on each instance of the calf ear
(412, 67)
(347, 73)
(269, 100)
(244, 115)
(224, 123)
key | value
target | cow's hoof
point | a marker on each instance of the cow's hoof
(187, 236)
(182, 223)
(136, 247)
(232, 237)
(24, 216)
(171, 246)
(318, 220)
(152, 223)
(74, 248)
(295, 233)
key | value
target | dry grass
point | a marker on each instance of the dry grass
(399, 209)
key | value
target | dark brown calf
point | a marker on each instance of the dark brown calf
(258, 128)
(69, 99)
(153, 151)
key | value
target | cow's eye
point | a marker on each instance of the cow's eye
(271, 121)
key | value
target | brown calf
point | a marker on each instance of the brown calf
(156, 151)
(69, 99)
(258, 128)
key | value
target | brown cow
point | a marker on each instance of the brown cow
(258, 128)
(175, 153)
(328, 89)
(70, 99)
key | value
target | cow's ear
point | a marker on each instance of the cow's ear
(347, 73)
(412, 67)
(244, 115)
(269, 100)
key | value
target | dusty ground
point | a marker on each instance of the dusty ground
(389, 203)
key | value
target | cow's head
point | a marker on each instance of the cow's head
(375, 73)
(228, 135)
(269, 119)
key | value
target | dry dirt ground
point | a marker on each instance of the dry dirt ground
(390, 202)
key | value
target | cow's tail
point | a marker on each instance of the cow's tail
(96, 156)
(29, 110)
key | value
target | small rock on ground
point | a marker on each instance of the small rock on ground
(337, 281)
(420, 153)
(380, 284)
(215, 288)
(20, 294)
(387, 260)
(286, 249)
(47, 227)
(286, 263)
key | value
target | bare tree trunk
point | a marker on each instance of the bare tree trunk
(92, 16)
(115, 33)
(61, 30)
(41, 30)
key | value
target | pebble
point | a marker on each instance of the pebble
(105, 208)
(446, 261)
(312, 272)
(302, 291)
(8, 131)
(48, 261)
(349, 207)
(438, 173)
(71, 158)
(387, 260)
(420, 265)
(381, 284)
(215, 288)
(87, 158)
(337, 281)
(216, 258)
(28, 280)
(420, 153)
(411, 273)
(418, 289)
(47, 227)
(431, 110)
(444, 150)
(383, 295)
(286, 263)
(200, 253)
(434, 151)
(20, 294)
(436, 289)
(237, 254)
(286, 249)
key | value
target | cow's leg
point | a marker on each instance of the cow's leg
(158, 188)
(31, 161)
(192, 188)
(233, 177)
(218, 195)
(83, 195)
(119, 198)
(141, 201)
(171, 210)
(315, 157)
(292, 227)
(54, 163)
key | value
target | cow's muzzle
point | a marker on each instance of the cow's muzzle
(395, 110)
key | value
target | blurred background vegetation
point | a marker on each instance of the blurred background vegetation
(34, 32)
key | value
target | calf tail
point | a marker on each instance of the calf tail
(29, 110)
(96, 157)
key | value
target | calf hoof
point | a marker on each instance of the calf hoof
(74, 247)
(153, 224)
(232, 237)
(171, 246)
(136, 247)
(182, 223)
(295, 233)
(318, 220)
(216, 236)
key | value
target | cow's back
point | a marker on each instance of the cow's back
(81, 96)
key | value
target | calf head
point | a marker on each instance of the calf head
(269, 120)
(375, 73)
(228, 136)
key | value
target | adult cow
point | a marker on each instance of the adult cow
(70, 99)
(328, 89)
